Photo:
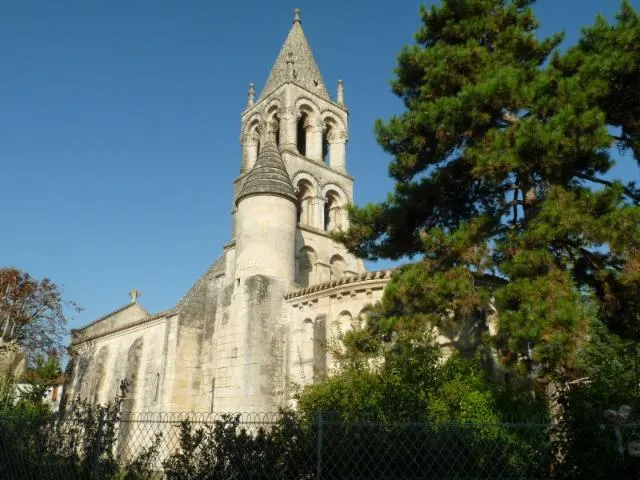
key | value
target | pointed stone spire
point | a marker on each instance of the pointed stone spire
(269, 175)
(295, 63)
(251, 95)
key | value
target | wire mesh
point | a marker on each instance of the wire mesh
(273, 446)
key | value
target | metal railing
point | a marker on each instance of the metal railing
(271, 446)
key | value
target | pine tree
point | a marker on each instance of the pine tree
(500, 161)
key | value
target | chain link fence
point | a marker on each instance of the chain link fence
(275, 446)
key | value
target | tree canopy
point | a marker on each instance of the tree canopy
(32, 313)
(502, 161)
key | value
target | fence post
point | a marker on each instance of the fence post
(319, 449)
(98, 447)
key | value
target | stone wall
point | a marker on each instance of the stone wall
(12, 359)
(318, 317)
(135, 354)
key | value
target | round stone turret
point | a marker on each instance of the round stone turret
(266, 219)
(269, 176)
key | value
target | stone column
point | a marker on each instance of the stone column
(314, 140)
(250, 151)
(317, 212)
(337, 151)
(343, 218)
(288, 128)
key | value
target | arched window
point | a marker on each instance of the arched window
(306, 267)
(326, 134)
(345, 321)
(363, 316)
(251, 146)
(305, 202)
(272, 123)
(338, 266)
(301, 133)
(332, 211)
(275, 122)
(334, 139)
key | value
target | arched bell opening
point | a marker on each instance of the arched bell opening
(333, 211)
(305, 194)
(306, 273)
(301, 133)
(338, 267)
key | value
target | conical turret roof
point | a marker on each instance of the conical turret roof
(269, 175)
(295, 63)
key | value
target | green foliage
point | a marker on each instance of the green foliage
(611, 379)
(39, 379)
(228, 450)
(406, 379)
(503, 188)
(32, 314)
(401, 403)
(36, 444)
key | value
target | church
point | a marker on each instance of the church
(258, 321)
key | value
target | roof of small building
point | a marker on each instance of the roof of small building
(296, 64)
(269, 175)
(108, 315)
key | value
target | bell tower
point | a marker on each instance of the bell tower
(291, 193)
(310, 130)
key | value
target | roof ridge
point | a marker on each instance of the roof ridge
(107, 315)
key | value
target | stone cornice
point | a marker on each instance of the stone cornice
(366, 280)
(314, 230)
(79, 341)
(261, 103)
(75, 331)
(293, 152)
(369, 280)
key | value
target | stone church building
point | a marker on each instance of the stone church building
(258, 320)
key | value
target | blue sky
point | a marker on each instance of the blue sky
(119, 126)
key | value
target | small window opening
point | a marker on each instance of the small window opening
(155, 397)
(325, 144)
(327, 215)
(276, 126)
(299, 205)
(301, 135)
(213, 394)
(332, 216)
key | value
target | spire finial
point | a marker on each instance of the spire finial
(134, 295)
(296, 16)
(340, 97)
(251, 96)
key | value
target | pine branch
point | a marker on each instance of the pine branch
(628, 192)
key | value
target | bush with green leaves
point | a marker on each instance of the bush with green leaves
(231, 450)
(35, 444)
